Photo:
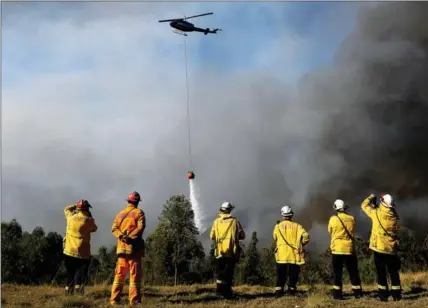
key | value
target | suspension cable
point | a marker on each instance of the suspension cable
(188, 105)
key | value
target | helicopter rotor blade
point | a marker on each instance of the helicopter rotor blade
(165, 20)
(199, 15)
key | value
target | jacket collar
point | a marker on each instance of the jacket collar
(225, 215)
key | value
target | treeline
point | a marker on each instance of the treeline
(174, 255)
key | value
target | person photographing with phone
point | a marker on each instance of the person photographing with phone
(384, 243)
(77, 245)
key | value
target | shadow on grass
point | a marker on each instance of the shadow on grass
(75, 303)
(413, 294)
(205, 299)
(197, 292)
(238, 297)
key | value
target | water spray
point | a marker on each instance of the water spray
(196, 206)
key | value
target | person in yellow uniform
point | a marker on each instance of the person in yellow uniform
(128, 227)
(384, 243)
(290, 238)
(226, 232)
(77, 245)
(341, 227)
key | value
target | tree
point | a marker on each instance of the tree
(251, 267)
(173, 246)
(11, 234)
(268, 265)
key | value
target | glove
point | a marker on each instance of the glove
(89, 214)
(372, 197)
(124, 238)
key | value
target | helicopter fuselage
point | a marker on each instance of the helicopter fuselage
(182, 25)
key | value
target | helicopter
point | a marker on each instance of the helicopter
(181, 25)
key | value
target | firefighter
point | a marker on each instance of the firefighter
(226, 232)
(77, 245)
(384, 243)
(290, 238)
(341, 227)
(128, 228)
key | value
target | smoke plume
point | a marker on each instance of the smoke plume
(357, 126)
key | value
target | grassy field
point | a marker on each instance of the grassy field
(414, 289)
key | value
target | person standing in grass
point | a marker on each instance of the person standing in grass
(128, 227)
(341, 227)
(384, 243)
(290, 238)
(77, 245)
(226, 232)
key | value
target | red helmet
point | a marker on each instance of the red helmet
(134, 197)
(83, 205)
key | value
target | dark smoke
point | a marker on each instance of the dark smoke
(377, 96)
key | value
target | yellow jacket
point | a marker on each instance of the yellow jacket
(341, 243)
(383, 219)
(226, 231)
(77, 240)
(296, 236)
(130, 221)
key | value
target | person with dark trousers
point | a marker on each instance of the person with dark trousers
(226, 232)
(290, 238)
(384, 243)
(341, 227)
(77, 245)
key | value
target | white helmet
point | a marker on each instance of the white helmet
(286, 211)
(226, 206)
(387, 200)
(339, 205)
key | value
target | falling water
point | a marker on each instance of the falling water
(194, 196)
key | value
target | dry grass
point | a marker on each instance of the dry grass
(414, 289)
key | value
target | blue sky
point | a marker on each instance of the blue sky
(249, 29)
(95, 92)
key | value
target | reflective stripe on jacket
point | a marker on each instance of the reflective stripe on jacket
(78, 234)
(130, 221)
(381, 241)
(296, 236)
(226, 243)
(341, 243)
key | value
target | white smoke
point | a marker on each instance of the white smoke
(199, 214)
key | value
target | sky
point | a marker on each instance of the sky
(93, 98)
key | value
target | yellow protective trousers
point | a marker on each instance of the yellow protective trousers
(125, 264)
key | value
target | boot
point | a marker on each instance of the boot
(291, 291)
(220, 290)
(382, 295)
(279, 293)
(337, 294)
(358, 293)
(79, 290)
(228, 291)
(396, 295)
(68, 291)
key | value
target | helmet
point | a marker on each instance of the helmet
(387, 200)
(339, 205)
(83, 205)
(226, 207)
(286, 211)
(134, 197)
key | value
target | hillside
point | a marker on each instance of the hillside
(414, 287)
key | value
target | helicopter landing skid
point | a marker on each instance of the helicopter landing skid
(179, 32)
